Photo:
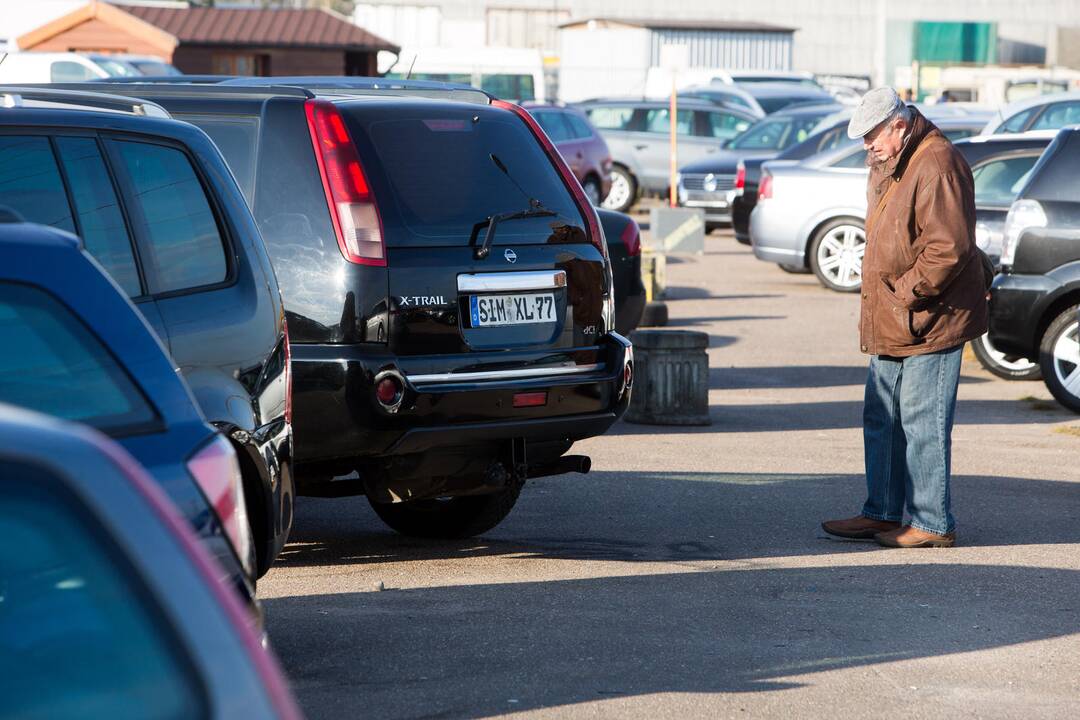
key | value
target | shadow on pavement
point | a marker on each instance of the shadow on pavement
(681, 292)
(691, 321)
(796, 376)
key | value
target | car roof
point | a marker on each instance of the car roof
(1038, 100)
(770, 89)
(57, 97)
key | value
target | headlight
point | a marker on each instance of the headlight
(709, 184)
(1023, 215)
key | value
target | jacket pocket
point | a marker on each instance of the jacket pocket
(921, 322)
(892, 321)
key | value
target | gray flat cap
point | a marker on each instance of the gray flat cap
(875, 108)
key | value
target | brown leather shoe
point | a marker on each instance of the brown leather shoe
(858, 528)
(911, 537)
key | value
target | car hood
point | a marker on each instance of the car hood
(725, 161)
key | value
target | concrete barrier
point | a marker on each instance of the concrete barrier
(671, 378)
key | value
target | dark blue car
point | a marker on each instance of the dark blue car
(76, 348)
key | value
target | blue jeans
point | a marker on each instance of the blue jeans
(907, 437)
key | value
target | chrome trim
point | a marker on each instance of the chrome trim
(505, 281)
(503, 374)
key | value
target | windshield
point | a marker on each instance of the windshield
(776, 133)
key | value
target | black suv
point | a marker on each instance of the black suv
(157, 207)
(446, 282)
(1035, 300)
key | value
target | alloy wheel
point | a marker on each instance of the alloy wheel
(840, 255)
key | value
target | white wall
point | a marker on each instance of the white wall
(602, 62)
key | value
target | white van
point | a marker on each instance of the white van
(45, 67)
(506, 73)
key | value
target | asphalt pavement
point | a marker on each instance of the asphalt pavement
(687, 576)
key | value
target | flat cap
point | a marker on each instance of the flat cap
(875, 108)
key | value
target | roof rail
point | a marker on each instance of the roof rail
(171, 89)
(56, 98)
(361, 85)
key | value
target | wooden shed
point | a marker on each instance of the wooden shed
(227, 41)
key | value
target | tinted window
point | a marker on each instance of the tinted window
(236, 138)
(658, 120)
(553, 124)
(185, 246)
(776, 133)
(53, 364)
(611, 118)
(578, 126)
(1057, 116)
(1017, 122)
(958, 133)
(512, 87)
(856, 159)
(67, 71)
(772, 104)
(998, 181)
(30, 182)
(467, 187)
(79, 636)
(722, 125)
(101, 223)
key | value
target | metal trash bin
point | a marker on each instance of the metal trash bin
(671, 378)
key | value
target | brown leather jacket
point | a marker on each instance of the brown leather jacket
(923, 286)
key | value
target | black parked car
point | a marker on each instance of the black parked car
(157, 206)
(1035, 299)
(447, 286)
(111, 609)
(712, 182)
(76, 348)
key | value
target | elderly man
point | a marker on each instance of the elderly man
(923, 296)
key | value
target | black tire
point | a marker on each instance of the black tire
(1059, 358)
(449, 518)
(624, 189)
(591, 186)
(1001, 365)
(824, 240)
(794, 269)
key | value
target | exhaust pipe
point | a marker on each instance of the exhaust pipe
(566, 464)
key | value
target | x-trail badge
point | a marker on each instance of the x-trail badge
(510, 255)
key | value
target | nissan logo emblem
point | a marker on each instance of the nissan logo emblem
(510, 255)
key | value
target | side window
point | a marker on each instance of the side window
(52, 363)
(1058, 116)
(100, 220)
(553, 125)
(236, 138)
(611, 118)
(856, 159)
(174, 215)
(30, 181)
(67, 71)
(1017, 122)
(657, 120)
(998, 181)
(77, 615)
(578, 126)
(722, 125)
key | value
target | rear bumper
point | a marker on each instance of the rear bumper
(717, 206)
(339, 425)
(773, 237)
(741, 207)
(1015, 308)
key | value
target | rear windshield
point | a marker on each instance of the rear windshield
(441, 167)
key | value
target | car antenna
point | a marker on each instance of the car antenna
(533, 202)
(408, 75)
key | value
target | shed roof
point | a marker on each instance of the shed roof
(670, 24)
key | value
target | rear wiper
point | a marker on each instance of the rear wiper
(537, 210)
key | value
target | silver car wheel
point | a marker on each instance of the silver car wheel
(1067, 360)
(618, 198)
(840, 255)
(1008, 362)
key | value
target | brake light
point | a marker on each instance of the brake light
(596, 235)
(288, 373)
(631, 237)
(217, 473)
(765, 187)
(740, 178)
(352, 205)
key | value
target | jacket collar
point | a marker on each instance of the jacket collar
(920, 129)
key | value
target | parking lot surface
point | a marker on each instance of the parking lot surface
(687, 575)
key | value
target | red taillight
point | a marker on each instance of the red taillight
(388, 391)
(288, 373)
(596, 236)
(765, 187)
(740, 177)
(631, 237)
(217, 474)
(534, 399)
(348, 195)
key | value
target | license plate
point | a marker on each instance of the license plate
(494, 310)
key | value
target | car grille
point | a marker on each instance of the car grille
(697, 182)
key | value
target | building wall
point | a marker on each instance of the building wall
(198, 60)
(94, 35)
